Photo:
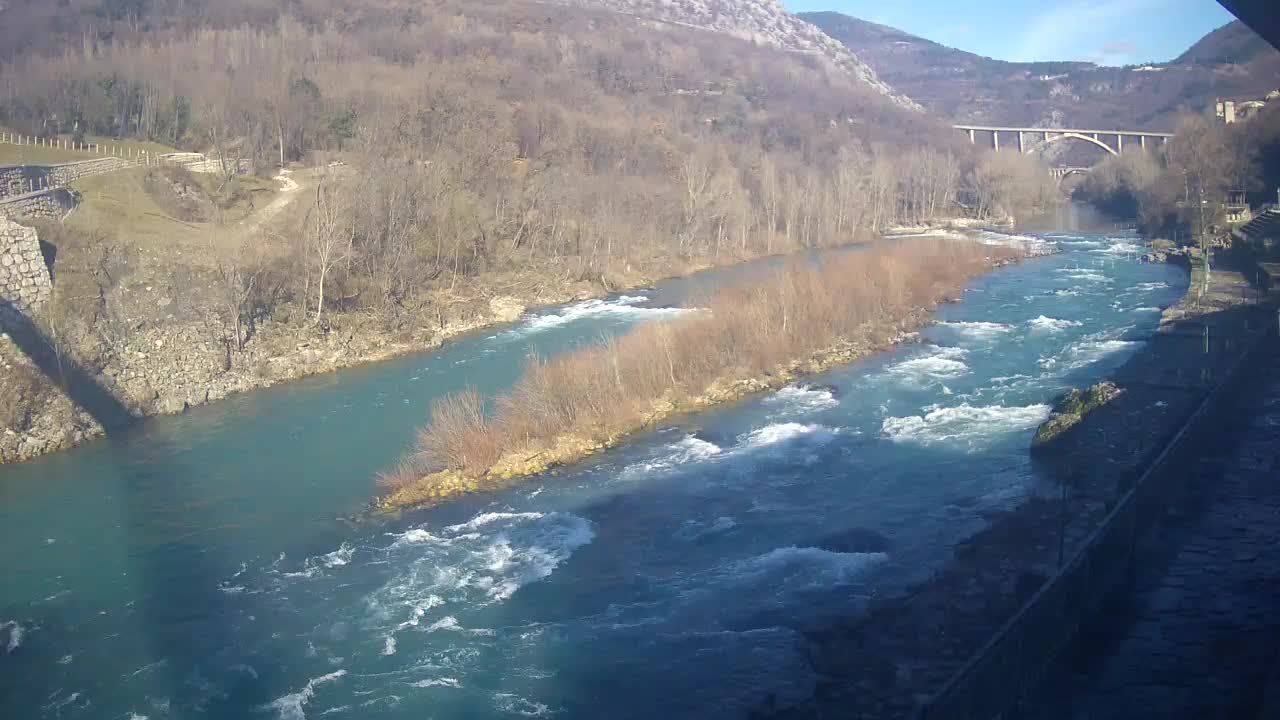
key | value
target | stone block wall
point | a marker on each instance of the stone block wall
(19, 179)
(44, 205)
(22, 179)
(68, 173)
(24, 278)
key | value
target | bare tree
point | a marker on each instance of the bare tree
(330, 233)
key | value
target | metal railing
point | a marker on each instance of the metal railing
(1011, 664)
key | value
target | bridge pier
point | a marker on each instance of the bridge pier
(1021, 146)
(1119, 144)
(995, 140)
(971, 140)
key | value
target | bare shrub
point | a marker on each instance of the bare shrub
(405, 474)
(748, 329)
(459, 435)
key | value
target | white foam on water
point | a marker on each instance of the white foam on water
(625, 306)
(784, 432)
(1067, 293)
(1151, 286)
(1091, 351)
(448, 622)
(979, 330)
(1146, 309)
(438, 682)
(516, 705)
(945, 363)
(1028, 243)
(1119, 247)
(1049, 324)
(689, 449)
(15, 635)
(1076, 242)
(481, 562)
(290, 707)
(339, 557)
(1084, 275)
(936, 232)
(136, 716)
(1002, 379)
(389, 646)
(813, 566)
(489, 518)
(963, 423)
(802, 399)
(415, 536)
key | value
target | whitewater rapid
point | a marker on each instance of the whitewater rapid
(676, 575)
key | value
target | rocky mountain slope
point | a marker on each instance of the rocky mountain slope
(1231, 62)
(765, 22)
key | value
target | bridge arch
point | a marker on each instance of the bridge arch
(1078, 136)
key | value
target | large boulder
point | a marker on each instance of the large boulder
(1070, 409)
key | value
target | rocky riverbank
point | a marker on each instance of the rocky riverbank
(178, 365)
(167, 367)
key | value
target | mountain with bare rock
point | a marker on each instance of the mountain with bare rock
(1232, 62)
(765, 22)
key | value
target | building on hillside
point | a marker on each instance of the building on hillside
(1236, 209)
(1230, 111)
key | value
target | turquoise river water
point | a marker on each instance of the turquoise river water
(194, 567)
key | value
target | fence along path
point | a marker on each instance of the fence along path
(117, 157)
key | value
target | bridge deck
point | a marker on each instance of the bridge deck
(1126, 133)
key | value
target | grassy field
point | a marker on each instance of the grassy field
(39, 155)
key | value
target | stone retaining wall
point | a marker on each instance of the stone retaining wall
(25, 283)
(46, 204)
(23, 179)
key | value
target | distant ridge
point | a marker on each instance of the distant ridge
(1231, 62)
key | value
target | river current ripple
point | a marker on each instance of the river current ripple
(193, 569)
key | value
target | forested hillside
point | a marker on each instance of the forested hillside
(1231, 62)
(450, 154)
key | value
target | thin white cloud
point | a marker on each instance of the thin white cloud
(1074, 29)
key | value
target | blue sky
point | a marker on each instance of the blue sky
(1108, 32)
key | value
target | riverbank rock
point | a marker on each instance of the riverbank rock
(1069, 409)
(506, 309)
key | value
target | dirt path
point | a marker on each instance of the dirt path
(258, 221)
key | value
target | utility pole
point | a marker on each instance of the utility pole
(1204, 239)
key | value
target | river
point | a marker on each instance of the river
(193, 567)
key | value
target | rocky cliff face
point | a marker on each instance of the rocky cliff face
(761, 21)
